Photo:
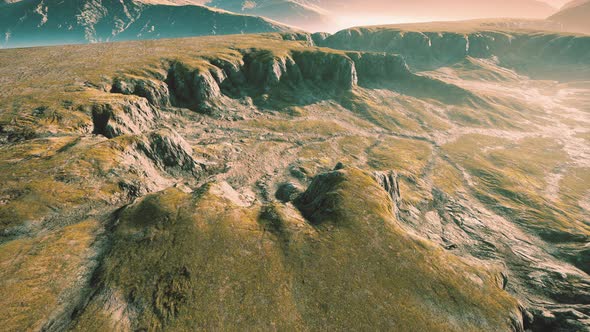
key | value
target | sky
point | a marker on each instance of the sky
(340, 14)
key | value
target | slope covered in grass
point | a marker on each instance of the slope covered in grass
(200, 261)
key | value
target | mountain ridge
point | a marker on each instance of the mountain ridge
(335, 15)
(47, 22)
(574, 16)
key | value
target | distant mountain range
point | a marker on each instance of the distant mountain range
(449, 9)
(48, 22)
(574, 16)
(305, 14)
(316, 15)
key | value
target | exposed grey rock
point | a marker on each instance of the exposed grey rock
(155, 91)
(170, 151)
(558, 320)
(210, 87)
(128, 115)
(423, 50)
(265, 70)
(379, 66)
(339, 166)
(299, 172)
(299, 36)
(194, 88)
(287, 192)
(325, 67)
(544, 283)
(388, 180)
(319, 37)
(233, 71)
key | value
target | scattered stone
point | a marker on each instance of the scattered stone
(339, 166)
(287, 192)
(388, 180)
(299, 172)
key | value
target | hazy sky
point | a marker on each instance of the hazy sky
(557, 3)
(554, 3)
(346, 13)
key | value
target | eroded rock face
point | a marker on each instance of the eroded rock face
(379, 66)
(388, 180)
(265, 70)
(155, 91)
(233, 72)
(194, 88)
(428, 49)
(168, 150)
(129, 115)
(330, 70)
(209, 86)
(321, 67)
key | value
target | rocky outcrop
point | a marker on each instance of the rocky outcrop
(327, 69)
(388, 181)
(322, 67)
(170, 152)
(230, 75)
(129, 115)
(194, 88)
(318, 201)
(319, 37)
(208, 85)
(379, 66)
(287, 192)
(265, 71)
(431, 49)
(547, 285)
(557, 320)
(155, 91)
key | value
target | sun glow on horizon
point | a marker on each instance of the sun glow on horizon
(349, 21)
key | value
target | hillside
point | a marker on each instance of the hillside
(49, 22)
(402, 179)
(574, 17)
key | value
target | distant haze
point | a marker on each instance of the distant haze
(337, 14)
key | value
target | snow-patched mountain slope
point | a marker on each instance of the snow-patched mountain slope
(49, 22)
(327, 15)
(294, 12)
